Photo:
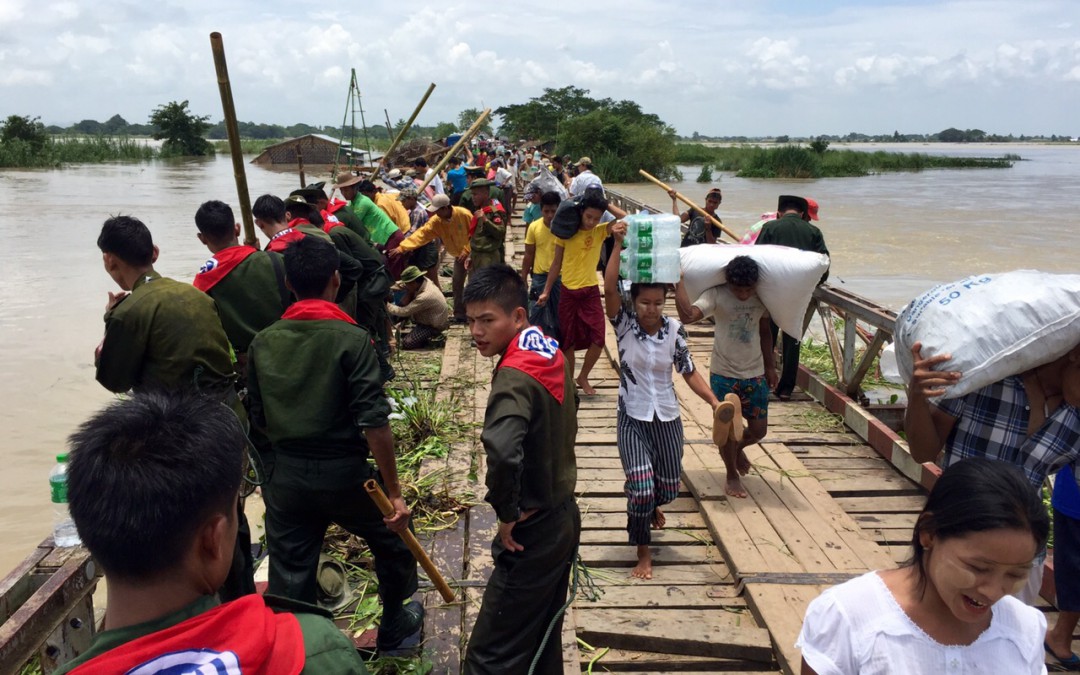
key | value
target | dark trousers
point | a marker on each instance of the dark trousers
(241, 579)
(458, 288)
(306, 495)
(526, 590)
(789, 355)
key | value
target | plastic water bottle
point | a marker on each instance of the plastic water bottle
(64, 532)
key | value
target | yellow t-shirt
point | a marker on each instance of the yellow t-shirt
(581, 255)
(540, 236)
(393, 208)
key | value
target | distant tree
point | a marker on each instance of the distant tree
(819, 145)
(89, 127)
(54, 129)
(24, 128)
(443, 129)
(951, 135)
(974, 135)
(468, 117)
(114, 125)
(695, 136)
(182, 131)
(783, 139)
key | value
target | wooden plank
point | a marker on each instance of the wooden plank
(624, 556)
(887, 520)
(841, 538)
(617, 521)
(669, 596)
(715, 572)
(747, 539)
(881, 504)
(591, 504)
(604, 487)
(782, 607)
(442, 622)
(571, 654)
(667, 537)
(482, 528)
(629, 662)
(837, 464)
(871, 483)
(716, 633)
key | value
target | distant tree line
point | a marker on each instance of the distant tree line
(950, 135)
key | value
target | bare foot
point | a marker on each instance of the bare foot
(734, 488)
(586, 388)
(643, 569)
(742, 463)
(658, 519)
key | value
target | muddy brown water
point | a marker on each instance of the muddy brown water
(891, 237)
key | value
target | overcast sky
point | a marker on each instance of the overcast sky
(720, 68)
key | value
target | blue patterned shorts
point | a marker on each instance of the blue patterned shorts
(754, 393)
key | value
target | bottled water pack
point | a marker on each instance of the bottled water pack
(651, 248)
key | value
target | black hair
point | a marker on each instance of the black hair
(551, 198)
(789, 202)
(636, 289)
(454, 161)
(215, 220)
(977, 495)
(309, 264)
(499, 284)
(420, 161)
(366, 186)
(305, 210)
(269, 207)
(127, 238)
(147, 472)
(743, 271)
(594, 199)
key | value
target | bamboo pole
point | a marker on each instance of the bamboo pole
(387, 509)
(404, 130)
(465, 138)
(689, 203)
(234, 138)
(300, 165)
(389, 129)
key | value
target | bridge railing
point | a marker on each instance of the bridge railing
(856, 328)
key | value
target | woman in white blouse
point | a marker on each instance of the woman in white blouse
(949, 609)
(650, 433)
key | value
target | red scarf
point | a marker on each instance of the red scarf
(314, 309)
(240, 636)
(336, 205)
(539, 357)
(329, 224)
(217, 268)
(493, 208)
(280, 241)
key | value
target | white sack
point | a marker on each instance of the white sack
(890, 370)
(994, 325)
(788, 277)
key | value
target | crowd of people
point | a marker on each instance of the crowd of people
(270, 368)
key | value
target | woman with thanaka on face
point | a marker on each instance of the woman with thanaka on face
(950, 607)
(650, 432)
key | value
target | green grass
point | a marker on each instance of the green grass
(793, 161)
(248, 146)
(817, 357)
(74, 150)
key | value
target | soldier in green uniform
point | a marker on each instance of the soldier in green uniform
(248, 285)
(474, 174)
(331, 211)
(529, 432)
(315, 387)
(163, 564)
(164, 334)
(159, 332)
(487, 231)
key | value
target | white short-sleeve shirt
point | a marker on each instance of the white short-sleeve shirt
(859, 628)
(736, 337)
(646, 389)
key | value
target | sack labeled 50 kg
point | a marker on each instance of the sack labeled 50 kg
(788, 277)
(993, 325)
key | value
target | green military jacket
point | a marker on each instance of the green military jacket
(529, 441)
(466, 202)
(487, 244)
(353, 222)
(791, 230)
(165, 334)
(251, 297)
(373, 286)
(326, 649)
(314, 385)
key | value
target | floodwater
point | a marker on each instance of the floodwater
(891, 237)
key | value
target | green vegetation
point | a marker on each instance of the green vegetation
(618, 135)
(58, 151)
(183, 132)
(817, 357)
(706, 174)
(793, 161)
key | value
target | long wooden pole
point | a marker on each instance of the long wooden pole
(404, 129)
(465, 138)
(387, 509)
(234, 138)
(689, 203)
(300, 165)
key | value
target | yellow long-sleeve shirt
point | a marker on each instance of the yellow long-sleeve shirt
(393, 208)
(454, 232)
